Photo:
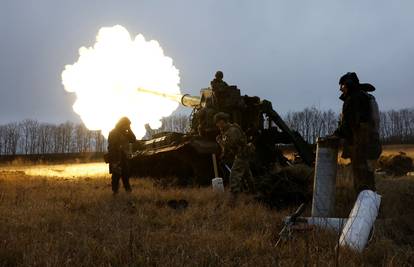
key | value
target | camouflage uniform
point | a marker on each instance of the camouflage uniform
(205, 117)
(218, 85)
(361, 144)
(118, 145)
(219, 88)
(235, 148)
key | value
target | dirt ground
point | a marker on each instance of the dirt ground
(65, 215)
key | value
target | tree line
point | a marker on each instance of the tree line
(33, 137)
(312, 123)
(396, 126)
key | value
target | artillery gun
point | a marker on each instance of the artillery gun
(189, 156)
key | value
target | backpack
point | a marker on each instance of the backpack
(373, 106)
(374, 146)
(374, 111)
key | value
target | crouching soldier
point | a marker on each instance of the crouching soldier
(235, 149)
(118, 145)
(359, 127)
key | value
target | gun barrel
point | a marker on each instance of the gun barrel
(190, 101)
(186, 100)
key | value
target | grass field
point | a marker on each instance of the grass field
(392, 149)
(65, 215)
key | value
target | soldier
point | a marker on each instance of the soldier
(236, 150)
(118, 145)
(218, 84)
(205, 117)
(219, 88)
(359, 129)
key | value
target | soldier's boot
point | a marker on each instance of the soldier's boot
(115, 183)
(127, 185)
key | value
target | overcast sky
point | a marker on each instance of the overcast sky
(290, 52)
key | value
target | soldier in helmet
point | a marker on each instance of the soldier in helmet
(218, 84)
(235, 149)
(359, 129)
(118, 145)
(219, 88)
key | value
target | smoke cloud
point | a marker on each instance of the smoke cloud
(106, 77)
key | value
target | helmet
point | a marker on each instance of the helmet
(221, 116)
(219, 75)
(350, 79)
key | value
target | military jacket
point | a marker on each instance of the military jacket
(118, 143)
(355, 111)
(356, 124)
(218, 85)
(233, 141)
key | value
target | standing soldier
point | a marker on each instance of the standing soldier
(219, 88)
(217, 84)
(359, 128)
(235, 149)
(118, 145)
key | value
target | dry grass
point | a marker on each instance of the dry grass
(61, 221)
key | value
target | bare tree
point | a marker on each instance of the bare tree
(83, 138)
(175, 123)
(98, 141)
(29, 136)
(12, 136)
(312, 123)
(397, 126)
(62, 137)
(2, 140)
(45, 133)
